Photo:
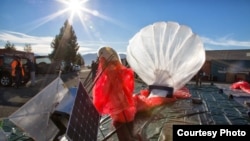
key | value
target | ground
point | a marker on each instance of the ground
(11, 98)
(216, 108)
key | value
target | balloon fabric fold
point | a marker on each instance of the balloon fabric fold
(243, 85)
(144, 102)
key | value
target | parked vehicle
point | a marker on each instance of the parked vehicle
(76, 67)
(45, 65)
(67, 67)
(6, 57)
(5, 70)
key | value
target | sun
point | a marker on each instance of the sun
(74, 7)
(71, 10)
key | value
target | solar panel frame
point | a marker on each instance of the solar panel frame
(84, 119)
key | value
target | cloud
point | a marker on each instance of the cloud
(225, 43)
(41, 44)
(16, 37)
(93, 46)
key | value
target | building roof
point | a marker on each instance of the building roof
(22, 54)
(228, 54)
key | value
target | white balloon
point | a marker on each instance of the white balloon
(166, 54)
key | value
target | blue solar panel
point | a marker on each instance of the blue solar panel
(84, 119)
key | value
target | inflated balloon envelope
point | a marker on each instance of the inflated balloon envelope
(165, 54)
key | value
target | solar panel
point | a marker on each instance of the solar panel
(84, 120)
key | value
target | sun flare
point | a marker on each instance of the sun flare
(74, 7)
(74, 10)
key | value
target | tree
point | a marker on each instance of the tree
(65, 45)
(79, 59)
(27, 48)
(10, 46)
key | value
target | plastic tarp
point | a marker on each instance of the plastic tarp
(34, 116)
(2, 135)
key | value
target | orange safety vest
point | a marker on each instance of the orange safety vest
(13, 68)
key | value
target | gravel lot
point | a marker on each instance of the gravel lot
(11, 98)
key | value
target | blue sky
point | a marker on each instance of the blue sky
(222, 24)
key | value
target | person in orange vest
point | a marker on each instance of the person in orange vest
(17, 71)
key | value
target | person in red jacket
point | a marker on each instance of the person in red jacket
(113, 92)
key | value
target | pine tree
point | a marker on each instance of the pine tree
(65, 45)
